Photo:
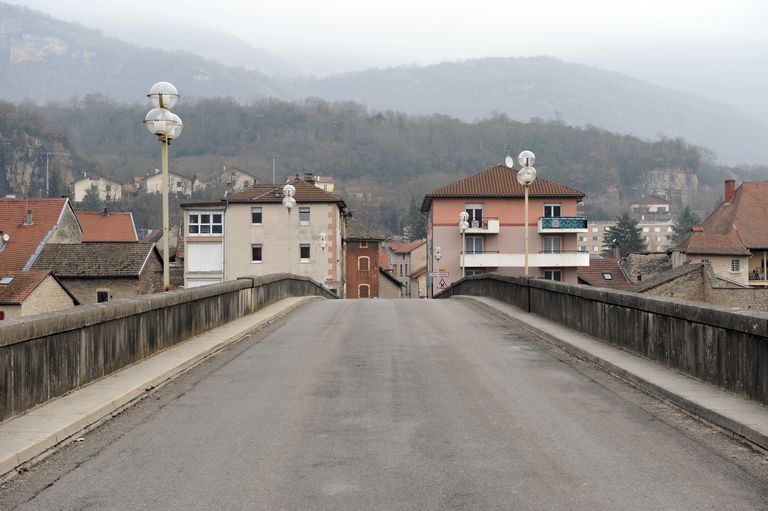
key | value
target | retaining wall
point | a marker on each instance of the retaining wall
(726, 348)
(43, 357)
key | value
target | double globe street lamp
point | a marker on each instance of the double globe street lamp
(463, 226)
(525, 176)
(167, 126)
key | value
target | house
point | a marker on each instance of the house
(650, 205)
(325, 183)
(109, 189)
(107, 226)
(742, 215)
(177, 184)
(604, 273)
(389, 286)
(103, 271)
(251, 233)
(494, 241)
(234, 179)
(406, 259)
(33, 292)
(362, 260)
(654, 232)
(726, 254)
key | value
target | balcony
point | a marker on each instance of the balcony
(488, 225)
(562, 224)
(535, 260)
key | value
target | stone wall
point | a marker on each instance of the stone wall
(49, 296)
(714, 344)
(47, 356)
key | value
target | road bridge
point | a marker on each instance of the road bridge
(394, 404)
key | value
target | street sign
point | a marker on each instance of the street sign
(438, 274)
(442, 284)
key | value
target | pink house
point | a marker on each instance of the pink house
(494, 241)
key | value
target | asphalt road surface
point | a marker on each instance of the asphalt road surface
(387, 404)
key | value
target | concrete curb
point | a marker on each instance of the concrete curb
(43, 446)
(727, 423)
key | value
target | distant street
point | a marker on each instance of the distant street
(388, 404)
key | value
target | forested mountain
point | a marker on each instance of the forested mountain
(44, 59)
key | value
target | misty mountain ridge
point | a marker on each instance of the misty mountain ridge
(45, 59)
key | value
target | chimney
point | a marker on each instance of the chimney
(730, 187)
(615, 250)
(28, 220)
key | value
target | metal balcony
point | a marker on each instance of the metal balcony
(562, 224)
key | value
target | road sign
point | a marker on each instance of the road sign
(442, 284)
(438, 274)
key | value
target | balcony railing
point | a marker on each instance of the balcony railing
(561, 224)
(485, 225)
(563, 259)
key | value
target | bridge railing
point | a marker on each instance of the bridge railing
(46, 356)
(720, 346)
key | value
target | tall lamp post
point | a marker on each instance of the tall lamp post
(289, 202)
(525, 176)
(463, 226)
(167, 126)
(438, 256)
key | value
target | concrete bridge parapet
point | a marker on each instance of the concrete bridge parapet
(723, 347)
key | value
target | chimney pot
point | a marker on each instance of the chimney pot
(730, 188)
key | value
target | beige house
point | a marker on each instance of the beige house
(177, 184)
(108, 189)
(103, 271)
(409, 265)
(33, 292)
(251, 233)
(234, 179)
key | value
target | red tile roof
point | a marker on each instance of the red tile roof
(113, 226)
(714, 244)
(26, 240)
(746, 212)
(595, 274)
(500, 181)
(406, 248)
(305, 192)
(21, 286)
(384, 263)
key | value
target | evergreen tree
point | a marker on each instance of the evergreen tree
(417, 221)
(91, 201)
(626, 233)
(682, 226)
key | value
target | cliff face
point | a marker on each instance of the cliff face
(677, 185)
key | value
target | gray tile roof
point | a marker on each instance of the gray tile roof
(95, 260)
(358, 231)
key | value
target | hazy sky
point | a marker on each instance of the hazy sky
(425, 31)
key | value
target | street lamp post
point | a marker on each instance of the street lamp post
(463, 226)
(289, 202)
(167, 126)
(525, 176)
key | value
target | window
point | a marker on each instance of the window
(594, 229)
(2, 315)
(553, 275)
(705, 259)
(475, 212)
(304, 253)
(735, 266)
(594, 238)
(102, 296)
(363, 263)
(363, 244)
(552, 244)
(255, 215)
(657, 229)
(304, 216)
(551, 210)
(582, 248)
(406, 268)
(205, 257)
(6, 280)
(364, 291)
(256, 254)
(401, 270)
(594, 248)
(474, 245)
(607, 276)
(205, 224)
(646, 229)
(471, 272)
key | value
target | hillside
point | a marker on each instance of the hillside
(546, 88)
(44, 59)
